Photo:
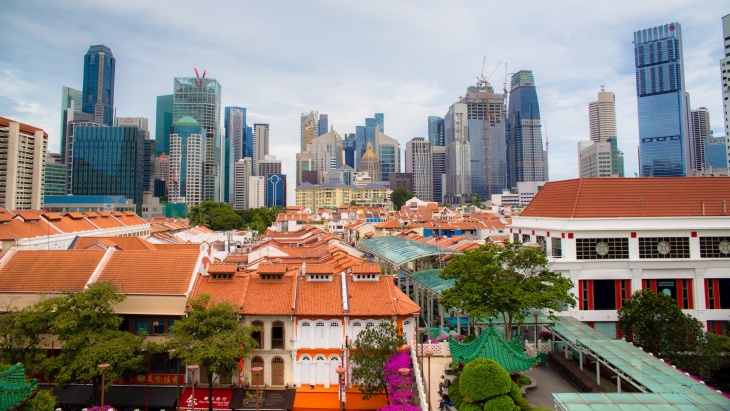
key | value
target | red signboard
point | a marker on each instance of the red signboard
(221, 399)
(164, 379)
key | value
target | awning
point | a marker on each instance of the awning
(272, 400)
(221, 399)
(121, 396)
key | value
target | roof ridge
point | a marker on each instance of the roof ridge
(577, 196)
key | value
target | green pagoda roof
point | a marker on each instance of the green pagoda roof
(14, 390)
(187, 121)
(490, 344)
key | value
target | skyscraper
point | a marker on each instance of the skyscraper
(109, 161)
(664, 149)
(457, 189)
(525, 154)
(438, 156)
(380, 122)
(163, 124)
(600, 157)
(388, 150)
(187, 161)
(420, 165)
(234, 121)
(260, 145)
(23, 149)
(486, 140)
(243, 175)
(308, 128)
(326, 151)
(699, 130)
(436, 131)
(200, 98)
(275, 190)
(70, 105)
(725, 73)
(98, 85)
(323, 125)
(349, 145)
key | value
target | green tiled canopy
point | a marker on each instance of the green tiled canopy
(14, 390)
(490, 344)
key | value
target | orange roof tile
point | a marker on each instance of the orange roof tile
(378, 298)
(320, 269)
(631, 197)
(222, 268)
(366, 268)
(270, 297)
(234, 291)
(151, 272)
(320, 297)
(271, 268)
(393, 224)
(121, 243)
(48, 271)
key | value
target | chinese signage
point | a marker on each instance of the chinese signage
(157, 379)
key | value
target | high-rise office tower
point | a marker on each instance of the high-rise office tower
(663, 108)
(54, 177)
(458, 155)
(699, 130)
(234, 121)
(419, 164)
(275, 190)
(22, 162)
(725, 73)
(269, 165)
(326, 151)
(109, 161)
(379, 122)
(323, 125)
(309, 128)
(716, 156)
(243, 174)
(256, 191)
(200, 98)
(438, 156)
(187, 162)
(98, 87)
(140, 122)
(436, 131)
(260, 144)
(349, 145)
(360, 145)
(388, 150)
(486, 140)
(600, 157)
(369, 163)
(162, 175)
(163, 125)
(525, 154)
(70, 105)
(305, 162)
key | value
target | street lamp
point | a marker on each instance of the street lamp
(192, 369)
(103, 368)
(404, 372)
(421, 330)
(428, 353)
(341, 372)
(535, 314)
(257, 370)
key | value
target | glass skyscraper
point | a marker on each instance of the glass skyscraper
(109, 161)
(98, 87)
(163, 124)
(436, 131)
(525, 155)
(234, 121)
(662, 102)
(200, 98)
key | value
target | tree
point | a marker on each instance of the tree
(373, 347)
(654, 322)
(21, 335)
(399, 196)
(212, 337)
(508, 281)
(85, 323)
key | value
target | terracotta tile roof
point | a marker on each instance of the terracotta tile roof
(366, 268)
(393, 224)
(151, 272)
(234, 291)
(129, 220)
(237, 258)
(121, 243)
(270, 297)
(631, 197)
(29, 215)
(320, 297)
(320, 269)
(269, 268)
(167, 246)
(222, 268)
(48, 271)
(106, 221)
(378, 298)
(16, 228)
(71, 225)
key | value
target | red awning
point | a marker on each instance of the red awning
(221, 399)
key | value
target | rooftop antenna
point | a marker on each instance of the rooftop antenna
(603, 88)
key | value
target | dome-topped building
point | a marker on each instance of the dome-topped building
(370, 163)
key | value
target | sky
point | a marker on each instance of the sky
(351, 59)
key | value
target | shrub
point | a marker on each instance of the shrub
(482, 379)
(524, 380)
(455, 393)
(523, 404)
(470, 337)
(514, 392)
(500, 403)
(458, 337)
(470, 406)
(545, 335)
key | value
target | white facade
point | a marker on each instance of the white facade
(240, 182)
(327, 154)
(602, 117)
(419, 164)
(594, 159)
(256, 191)
(23, 150)
(193, 150)
(260, 144)
(725, 74)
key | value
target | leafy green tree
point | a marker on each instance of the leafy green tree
(21, 332)
(212, 337)
(399, 196)
(372, 348)
(85, 323)
(505, 281)
(654, 322)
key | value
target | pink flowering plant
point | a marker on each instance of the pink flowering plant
(398, 384)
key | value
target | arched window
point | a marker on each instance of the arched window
(277, 335)
(277, 371)
(259, 333)
(258, 378)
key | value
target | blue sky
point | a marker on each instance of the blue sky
(351, 59)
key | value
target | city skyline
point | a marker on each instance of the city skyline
(416, 70)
